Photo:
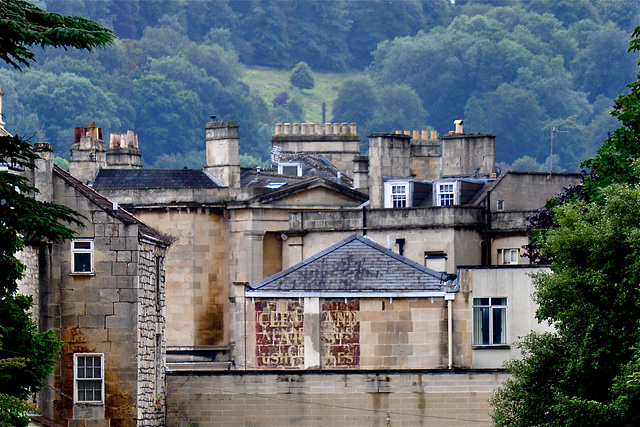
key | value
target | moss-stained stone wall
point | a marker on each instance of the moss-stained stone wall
(428, 398)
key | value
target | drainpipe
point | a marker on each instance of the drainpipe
(449, 297)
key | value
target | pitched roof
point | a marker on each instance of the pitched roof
(252, 178)
(354, 266)
(308, 183)
(108, 206)
(153, 178)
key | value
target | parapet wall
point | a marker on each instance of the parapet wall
(313, 129)
(410, 398)
(356, 220)
(339, 143)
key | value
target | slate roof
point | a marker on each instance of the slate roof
(252, 178)
(317, 167)
(112, 179)
(356, 265)
(107, 205)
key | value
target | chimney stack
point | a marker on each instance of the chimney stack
(222, 145)
(88, 153)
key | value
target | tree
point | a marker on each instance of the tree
(588, 371)
(25, 25)
(301, 76)
(27, 356)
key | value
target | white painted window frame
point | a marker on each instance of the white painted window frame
(389, 194)
(491, 307)
(282, 165)
(439, 192)
(507, 256)
(77, 380)
(75, 251)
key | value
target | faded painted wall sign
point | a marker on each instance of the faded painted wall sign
(340, 329)
(279, 334)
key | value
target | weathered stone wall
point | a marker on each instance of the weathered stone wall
(29, 285)
(99, 315)
(537, 186)
(514, 283)
(197, 274)
(413, 398)
(463, 154)
(359, 333)
(151, 339)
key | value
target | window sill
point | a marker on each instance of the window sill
(89, 403)
(491, 347)
(82, 274)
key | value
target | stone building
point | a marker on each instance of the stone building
(103, 295)
(435, 203)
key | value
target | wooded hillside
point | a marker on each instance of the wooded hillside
(516, 68)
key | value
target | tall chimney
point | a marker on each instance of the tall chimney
(222, 145)
(88, 153)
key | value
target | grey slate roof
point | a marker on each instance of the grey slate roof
(112, 179)
(108, 206)
(252, 178)
(354, 265)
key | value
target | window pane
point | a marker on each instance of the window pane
(82, 245)
(498, 301)
(481, 326)
(499, 326)
(82, 262)
(481, 301)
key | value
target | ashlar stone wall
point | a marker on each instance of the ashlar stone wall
(409, 398)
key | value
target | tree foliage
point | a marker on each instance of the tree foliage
(25, 26)
(301, 76)
(27, 356)
(588, 371)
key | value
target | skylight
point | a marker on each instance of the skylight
(274, 185)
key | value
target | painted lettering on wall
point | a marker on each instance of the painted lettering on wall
(279, 334)
(340, 334)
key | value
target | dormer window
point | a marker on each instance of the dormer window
(445, 194)
(397, 194)
(290, 168)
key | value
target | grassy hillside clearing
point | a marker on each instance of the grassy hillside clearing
(269, 82)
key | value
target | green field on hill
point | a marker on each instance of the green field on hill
(269, 82)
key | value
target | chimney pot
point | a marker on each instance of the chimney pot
(459, 124)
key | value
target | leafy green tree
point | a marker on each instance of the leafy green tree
(25, 26)
(526, 164)
(588, 371)
(357, 101)
(301, 76)
(27, 356)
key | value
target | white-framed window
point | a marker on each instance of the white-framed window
(500, 205)
(508, 256)
(397, 194)
(489, 321)
(445, 194)
(82, 256)
(88, 377)
(290, 168)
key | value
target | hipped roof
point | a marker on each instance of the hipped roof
(356, 266)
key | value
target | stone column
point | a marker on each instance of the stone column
(254, 241)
